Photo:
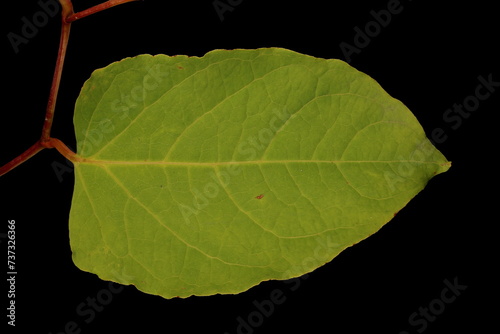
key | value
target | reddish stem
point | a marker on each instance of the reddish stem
(37, 147)
(95, 9)
(67, 16)
(67, 10)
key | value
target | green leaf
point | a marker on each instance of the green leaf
(198, 176)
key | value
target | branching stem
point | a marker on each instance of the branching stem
(45, 141)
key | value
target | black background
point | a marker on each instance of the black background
(430, 57)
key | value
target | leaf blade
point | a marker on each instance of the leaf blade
(177, 153)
